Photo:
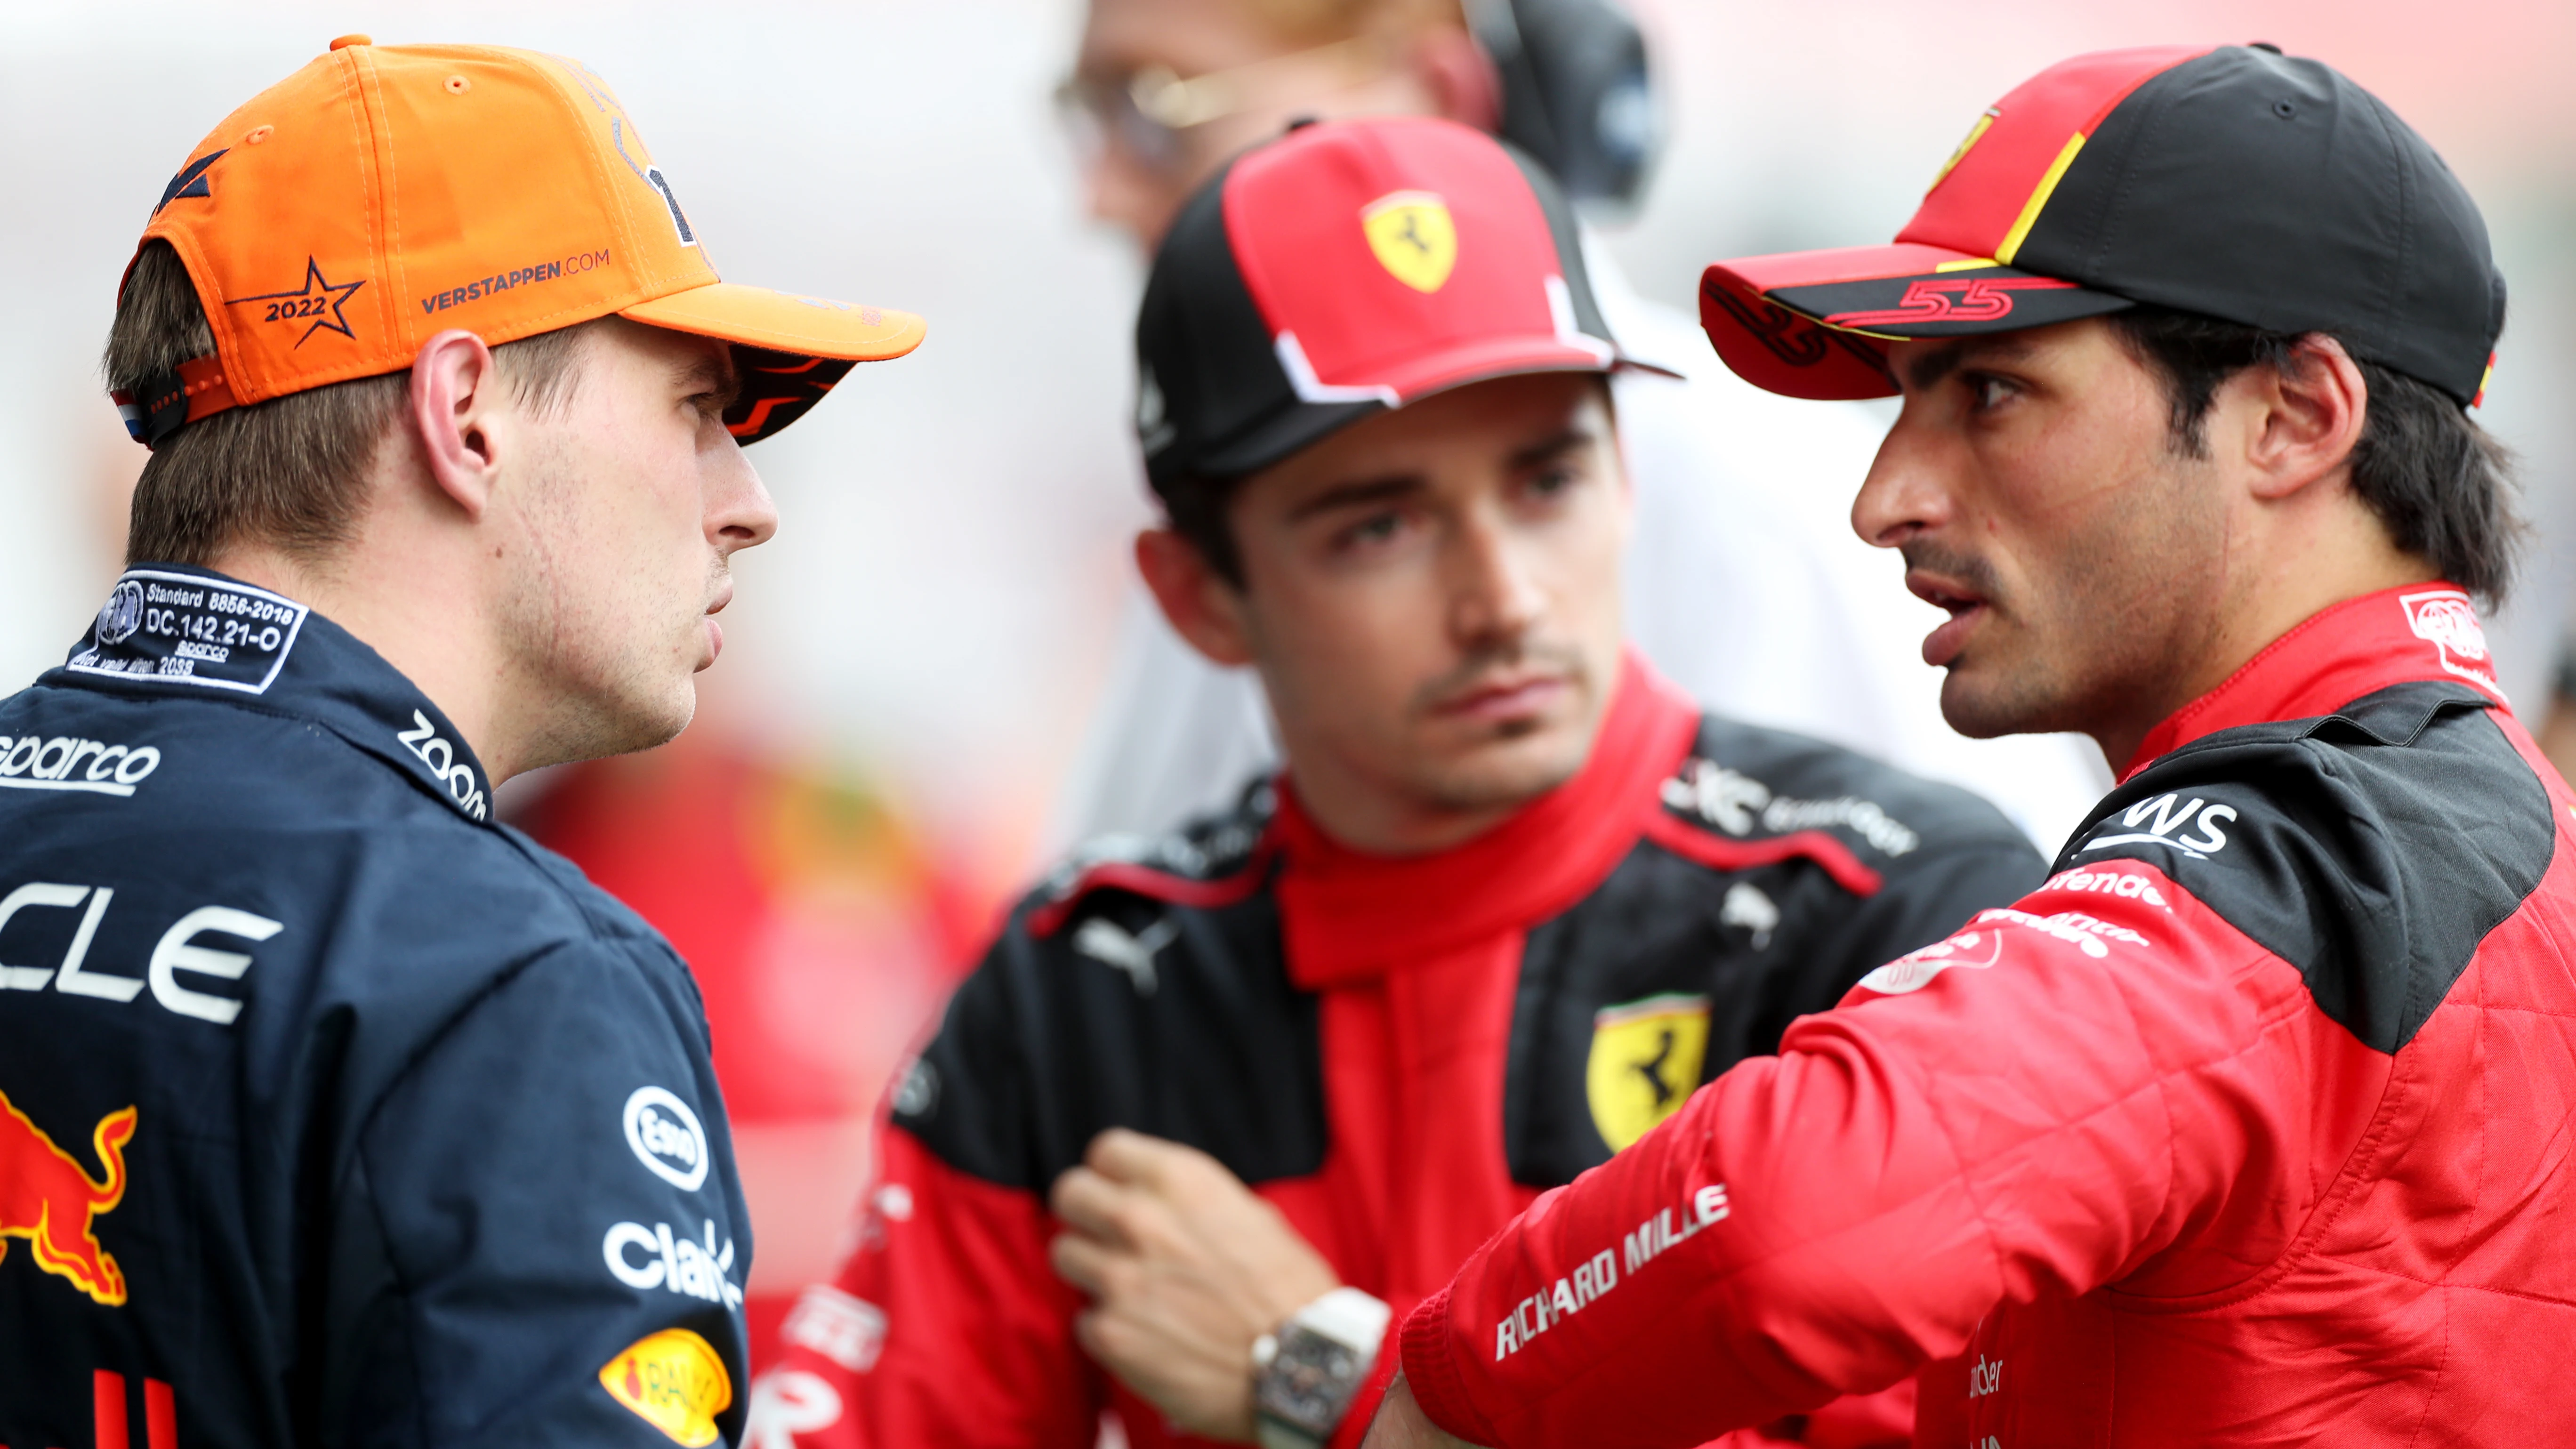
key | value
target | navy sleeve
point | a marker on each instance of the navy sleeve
(542, 1239)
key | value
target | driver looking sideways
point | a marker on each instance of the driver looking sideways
(2252, 1125)
(1218, 1102)
(332, 1111)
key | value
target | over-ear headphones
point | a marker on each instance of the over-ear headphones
(1576, 92)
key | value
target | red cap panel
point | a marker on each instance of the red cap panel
(1985, 199)
(1393, 259)
(1815, 324)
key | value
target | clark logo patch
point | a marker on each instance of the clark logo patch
(675, 1381)
(1645, 1063)
(1413, 236)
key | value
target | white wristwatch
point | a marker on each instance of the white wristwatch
(1305, 1375)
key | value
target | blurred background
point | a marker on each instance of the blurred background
(877, 762)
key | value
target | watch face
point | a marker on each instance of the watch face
(1311, 1380)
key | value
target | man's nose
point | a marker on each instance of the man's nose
(1904, 493)
(1495, 595)
(740, 512)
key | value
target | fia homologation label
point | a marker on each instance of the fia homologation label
(188, 629)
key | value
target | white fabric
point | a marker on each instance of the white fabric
(1745, 585)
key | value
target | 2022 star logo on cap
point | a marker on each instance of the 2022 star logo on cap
(384, 194)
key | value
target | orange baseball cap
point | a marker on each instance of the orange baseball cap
(384, 194)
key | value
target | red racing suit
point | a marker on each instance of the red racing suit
(1399, 1054)
(2255, 1124)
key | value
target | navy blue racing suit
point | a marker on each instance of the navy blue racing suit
(331, 1111)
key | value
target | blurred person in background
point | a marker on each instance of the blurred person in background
(330, 1108)
(2252, 1125)
(1745, 586)
(1219, 1102)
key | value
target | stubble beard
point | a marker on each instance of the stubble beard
(1492, 775)
(594, 684)
(2101, 638)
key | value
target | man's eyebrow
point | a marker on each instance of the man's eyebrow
(1557, 445)
(709, 372)
(1926, 371)
(1351, 495)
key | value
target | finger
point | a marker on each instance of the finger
(1129, 1158)
(1091, 1204)
(1168, 1169)
(1082, 1262)
(1086, 1332)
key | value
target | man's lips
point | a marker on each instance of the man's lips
(1512, 697)
(1966, 609)
(715, 631)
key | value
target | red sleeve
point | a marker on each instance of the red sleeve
(2043, 1100)
(946, 1326)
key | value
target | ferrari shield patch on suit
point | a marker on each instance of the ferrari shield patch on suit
(1645, 1061)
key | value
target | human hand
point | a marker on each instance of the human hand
(1401, 1424)
(1185, 1268)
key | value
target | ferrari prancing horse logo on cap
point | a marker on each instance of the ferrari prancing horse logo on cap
(1413, 236)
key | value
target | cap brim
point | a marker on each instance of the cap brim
(1817, 324)
(1327, 410)
(1491, 358)
(796, 347)
(785, 322)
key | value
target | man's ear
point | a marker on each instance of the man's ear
(2299, 422)
(459, 409)
(1202, 606)
(1459, 77)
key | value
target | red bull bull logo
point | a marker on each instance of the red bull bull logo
(49, 1199)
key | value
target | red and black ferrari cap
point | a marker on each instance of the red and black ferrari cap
(2234, 182)
(1346, 268)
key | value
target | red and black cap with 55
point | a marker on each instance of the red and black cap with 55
(2234, 182)
(1347, 268)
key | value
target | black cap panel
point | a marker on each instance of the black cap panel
(1212, 400)
(2272, 191)
(1569, 242)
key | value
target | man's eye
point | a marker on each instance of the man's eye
(1548, 482)
(1376, 528)
(1986, 393)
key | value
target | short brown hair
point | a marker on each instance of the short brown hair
(291, 471)
(2440, 484)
